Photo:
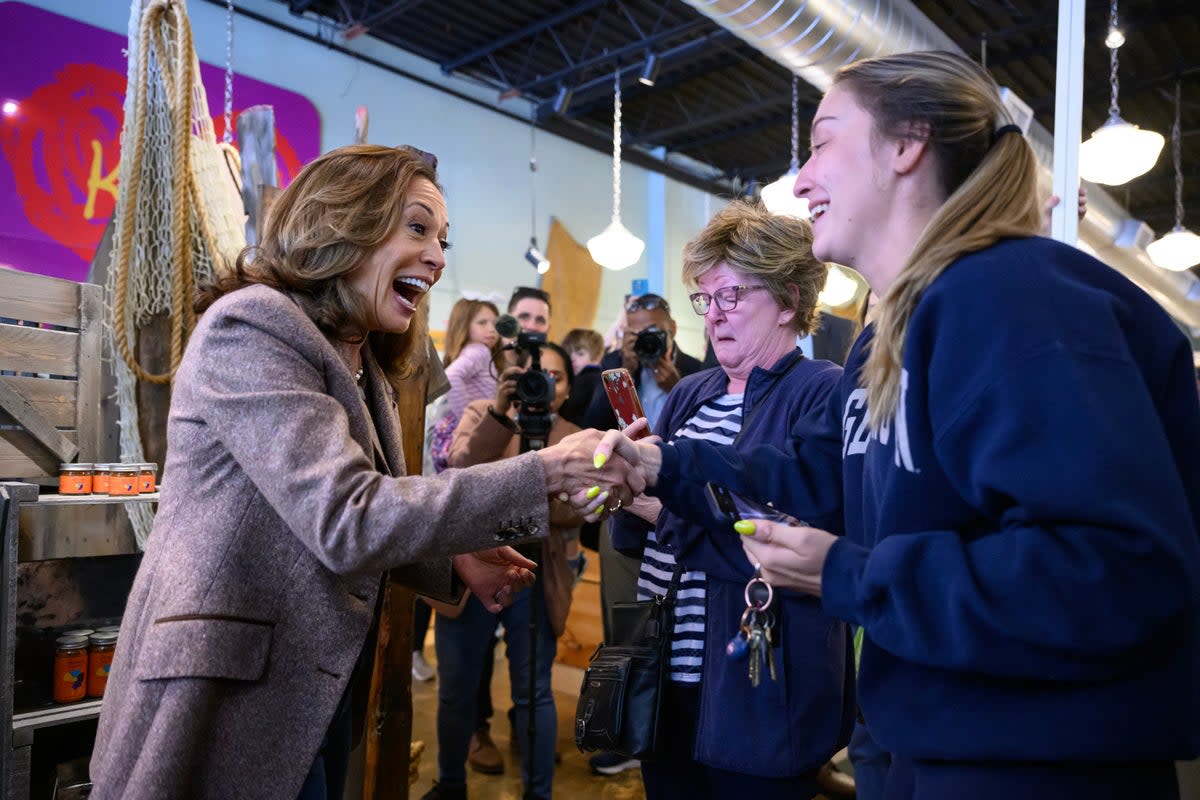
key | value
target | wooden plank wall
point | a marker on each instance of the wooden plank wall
(50, 346)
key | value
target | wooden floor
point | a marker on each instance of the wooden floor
(573, 778)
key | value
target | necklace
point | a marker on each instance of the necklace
(358, 376)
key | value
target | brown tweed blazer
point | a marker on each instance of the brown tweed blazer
(258, 587)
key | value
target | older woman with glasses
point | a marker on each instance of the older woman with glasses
(757, 283)
(248, 634)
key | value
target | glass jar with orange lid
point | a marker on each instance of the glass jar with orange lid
(123, 480)
(70, 668)
(75, 478)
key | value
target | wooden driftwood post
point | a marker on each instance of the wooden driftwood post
(389, 712)
(256, 145)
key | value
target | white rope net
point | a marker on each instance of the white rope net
(215, 223)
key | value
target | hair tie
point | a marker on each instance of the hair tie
(1003, 129)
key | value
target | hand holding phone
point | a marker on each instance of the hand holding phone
(622, 396)
(731, 507)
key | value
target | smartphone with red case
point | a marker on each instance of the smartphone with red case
(622, 396)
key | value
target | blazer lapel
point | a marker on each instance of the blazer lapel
(381, 401)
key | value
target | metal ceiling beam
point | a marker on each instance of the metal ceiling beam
(639, 47)
(674, 73)
(1100, 85)
(520, 34)
(603, 83)
(735, 112)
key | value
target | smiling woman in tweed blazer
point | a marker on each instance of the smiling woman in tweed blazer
(282, 502)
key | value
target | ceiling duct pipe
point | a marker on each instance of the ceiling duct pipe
(812, 38)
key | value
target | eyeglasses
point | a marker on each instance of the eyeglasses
(726, 298)
(647, 302)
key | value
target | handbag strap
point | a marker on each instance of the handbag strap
(673, 586)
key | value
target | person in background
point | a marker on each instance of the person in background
(1022, 485)
(488, 433)
(472, 360)
(648, 350)
(248, 635)
(757, 284)
(472, 363)
(586, 348)
(531, 308)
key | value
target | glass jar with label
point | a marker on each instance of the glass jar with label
(147, 478)
(100, 478)
(123, 480)
(75, 478)
(70, 669)
(102, 645)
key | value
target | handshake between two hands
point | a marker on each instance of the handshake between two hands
(597, 473)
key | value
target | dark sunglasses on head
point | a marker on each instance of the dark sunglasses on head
(424, 155)
(647, 302)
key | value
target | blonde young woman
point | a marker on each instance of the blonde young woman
(1020, 438)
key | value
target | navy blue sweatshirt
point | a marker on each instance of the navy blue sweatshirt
(1022, 548)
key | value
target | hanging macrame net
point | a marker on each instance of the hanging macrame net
(178, 215)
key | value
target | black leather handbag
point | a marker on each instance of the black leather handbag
(621, 696)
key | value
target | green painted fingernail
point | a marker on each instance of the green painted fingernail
(600, 460)
(592, 492)
(744, 526)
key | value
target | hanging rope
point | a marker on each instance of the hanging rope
(178, 79)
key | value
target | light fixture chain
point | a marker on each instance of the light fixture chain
(1113, 109)
(227, 137)
(795, 123)
(1177, 153)
(533, 165)
(617, 144)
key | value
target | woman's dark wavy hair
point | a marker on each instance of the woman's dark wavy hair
(336, 212)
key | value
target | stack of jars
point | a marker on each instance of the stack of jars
(118, 480)
(82, 660)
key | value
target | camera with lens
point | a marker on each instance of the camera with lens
(535, 393)
(650, 345)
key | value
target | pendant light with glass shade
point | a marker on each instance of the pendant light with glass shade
(1118, 151)
(1179, 249)
(616, 248)
(780, 196)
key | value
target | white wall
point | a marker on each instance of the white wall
(483, 155)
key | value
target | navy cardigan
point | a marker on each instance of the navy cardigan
(796, 723)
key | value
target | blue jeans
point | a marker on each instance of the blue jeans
(461, 644)
(871, 763)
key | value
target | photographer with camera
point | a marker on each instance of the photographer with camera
(523, 411)
(649, 352)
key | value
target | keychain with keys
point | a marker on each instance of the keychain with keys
(754, 637)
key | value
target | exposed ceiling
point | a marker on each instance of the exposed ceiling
(725, 108)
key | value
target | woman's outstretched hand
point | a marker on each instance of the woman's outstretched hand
(789, 556)
(494, 576)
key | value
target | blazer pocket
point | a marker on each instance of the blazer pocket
(205, 646)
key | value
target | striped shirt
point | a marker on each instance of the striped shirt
(718, 421)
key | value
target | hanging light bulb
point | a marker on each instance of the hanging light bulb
(616, 248)
(1118, 151)
(780, 196)
(1179, 249)
(533, 255)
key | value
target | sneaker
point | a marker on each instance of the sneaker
(483, 756)
(421, 669)
(440, 792)
(612, 763)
